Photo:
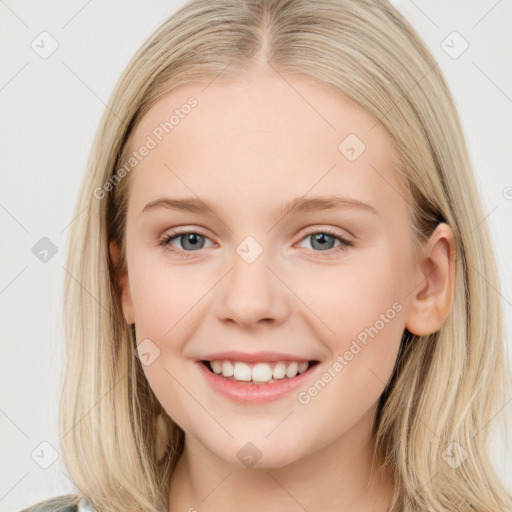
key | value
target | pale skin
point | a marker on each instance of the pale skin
(251, 146)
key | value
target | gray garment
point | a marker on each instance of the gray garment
(63, 503)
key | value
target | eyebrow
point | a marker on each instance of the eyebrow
(297, 205)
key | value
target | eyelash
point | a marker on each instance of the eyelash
(165, 241)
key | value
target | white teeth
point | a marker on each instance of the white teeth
(216, 366)
(242, 371)
(303, 367)
(279, 371)
(227, 369)
(292, 370)
(259, 372)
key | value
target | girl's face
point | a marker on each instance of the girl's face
(285, 267)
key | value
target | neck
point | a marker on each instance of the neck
(337, 477)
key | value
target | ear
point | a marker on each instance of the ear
(431, 300)
(124, 285)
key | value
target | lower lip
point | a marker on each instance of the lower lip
(245, 392)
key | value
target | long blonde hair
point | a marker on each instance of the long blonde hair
(117, 442)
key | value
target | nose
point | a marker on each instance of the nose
(252, 294)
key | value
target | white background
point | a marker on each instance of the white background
(50, 110)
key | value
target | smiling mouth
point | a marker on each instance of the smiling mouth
(258, 373)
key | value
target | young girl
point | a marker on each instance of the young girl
(280, 293)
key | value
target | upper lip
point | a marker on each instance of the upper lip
(255, 357)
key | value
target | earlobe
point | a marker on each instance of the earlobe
(123, 285)
(431, 300)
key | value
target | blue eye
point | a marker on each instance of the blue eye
(193, 240)
(324, 240)
(190, 240)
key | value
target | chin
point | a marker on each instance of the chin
(261, 455)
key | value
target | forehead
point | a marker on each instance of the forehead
(263, 136)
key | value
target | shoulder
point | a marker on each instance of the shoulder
(63, 503)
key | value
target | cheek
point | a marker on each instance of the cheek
(165, 295)
(352, 296)
(362, 312)
(174, 392)
(367, 318)
(166, 303)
